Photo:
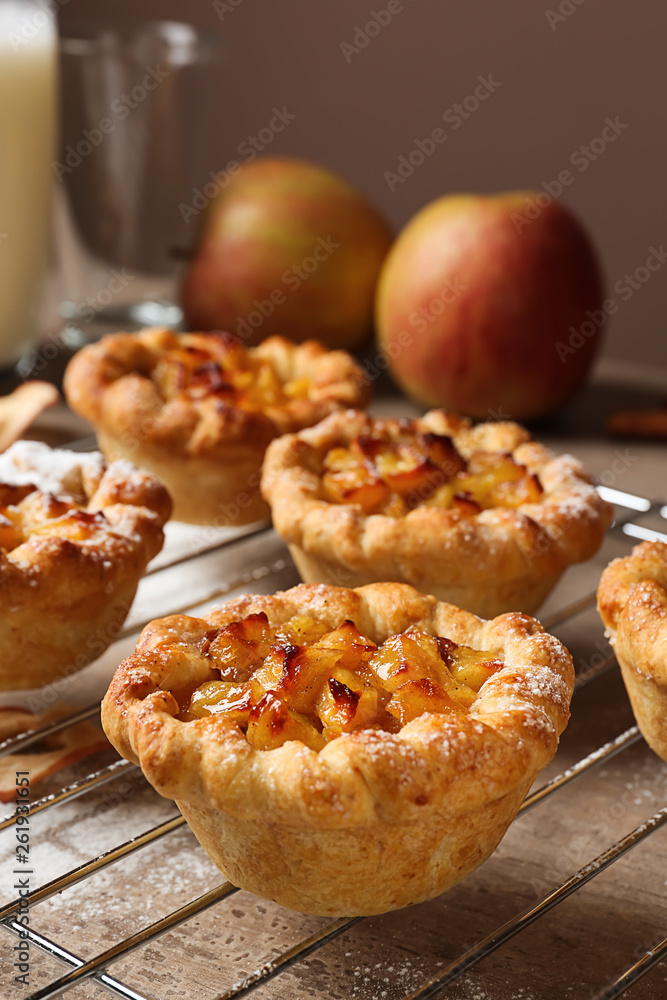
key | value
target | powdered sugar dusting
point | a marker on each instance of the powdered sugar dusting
(52, 470)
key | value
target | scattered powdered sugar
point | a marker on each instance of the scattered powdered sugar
(541, 682)
(123, 467)
(52, 470)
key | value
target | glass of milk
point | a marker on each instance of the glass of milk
(137, 116)
(28, 95)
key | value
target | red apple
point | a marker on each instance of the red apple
(288, 248)
(491, 306)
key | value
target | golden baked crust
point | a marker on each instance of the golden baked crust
(374, 820)
(75, 538)
(632, 602)
(508, 555)
(199, 410)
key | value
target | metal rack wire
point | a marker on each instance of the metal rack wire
(632, 510)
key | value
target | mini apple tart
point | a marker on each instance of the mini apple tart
(199, 410)
(482, 517)
(341, 751)
(75, 538)
(632, 602)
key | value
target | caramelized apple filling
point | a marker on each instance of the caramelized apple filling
(304, 681)
(392, 473)
(41, 513)
(226, 370)
(11, 535)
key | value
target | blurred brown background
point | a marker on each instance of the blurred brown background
(557, 70)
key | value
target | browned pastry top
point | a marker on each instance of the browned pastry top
(473, 504)
(632, 602)
(193, 393)
(430, 742)
(75, 537)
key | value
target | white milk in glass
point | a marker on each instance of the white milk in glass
(27, 145)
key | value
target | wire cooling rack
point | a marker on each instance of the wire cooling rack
(123, 901)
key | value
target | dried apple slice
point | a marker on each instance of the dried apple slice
(55, 752)
(21, 407)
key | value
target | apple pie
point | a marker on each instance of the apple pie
(632, 602)
(75, 538)
(480, 516)
(199, 410)
(342, 751)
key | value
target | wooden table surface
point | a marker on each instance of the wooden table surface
(573, 951)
